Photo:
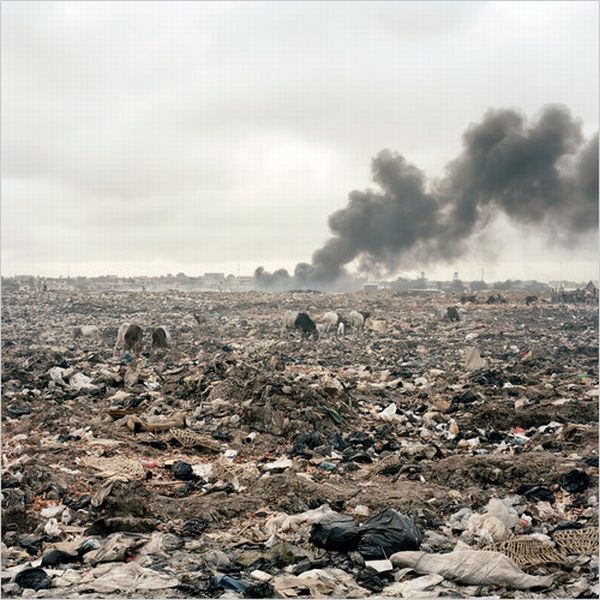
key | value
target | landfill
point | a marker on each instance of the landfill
(431, 453)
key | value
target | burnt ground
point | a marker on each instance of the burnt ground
(458, 438)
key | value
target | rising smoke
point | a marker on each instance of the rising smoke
(544, 175)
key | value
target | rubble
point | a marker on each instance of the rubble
(421, 455)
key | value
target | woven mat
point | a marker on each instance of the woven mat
(115, 465)
(577, 541)
(228, 389)
(191, 439)
(529, 552)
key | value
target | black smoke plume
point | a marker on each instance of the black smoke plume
(544, 175)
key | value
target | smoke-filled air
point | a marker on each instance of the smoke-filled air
(543, 174)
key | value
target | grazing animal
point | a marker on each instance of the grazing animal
(160, 339)
(134, 338)
(336, 321)
(468, 298)
(120, 337)
(288, 322)
(496, 299)
(200, 319)
(330, 319)
(452, 314)
(356, 319)
(307, 326)
(86, 331)
(531, 300)
(587, 295)
(301, 321)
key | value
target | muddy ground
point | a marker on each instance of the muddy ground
(455, 435)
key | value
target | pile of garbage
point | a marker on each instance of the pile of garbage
(421, 456)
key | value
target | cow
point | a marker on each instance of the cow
(496, 299)
(356, 320)
(200, 318)
(161, 340)
(120, 338)
(531, 300)
(452, 314)
(299, 320)
(330, 319)
(133, 339)
(288, 322)
(307, 326)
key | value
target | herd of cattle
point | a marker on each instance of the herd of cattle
(130, 337)
(300, 321)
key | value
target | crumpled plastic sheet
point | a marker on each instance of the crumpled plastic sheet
(282, 522)
(496, 523)
(319, 582)
(408, 589)
(118, 546)
(113, 577)
(472, 567)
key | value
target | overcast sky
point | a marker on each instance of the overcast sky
(153, 138)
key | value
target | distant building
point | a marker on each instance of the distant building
(244, 282)
(214, 281)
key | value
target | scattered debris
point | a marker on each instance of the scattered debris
(431, 452)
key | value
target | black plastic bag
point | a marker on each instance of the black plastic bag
(575, 481)
(536, 493)
(382, 535)
(262, 589)
(369, 578)
(388, 532)
(335, 532)
(54, 557)
(35, 579)
(194, 527)
(182, 470)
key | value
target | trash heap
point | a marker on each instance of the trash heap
(424, 456)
